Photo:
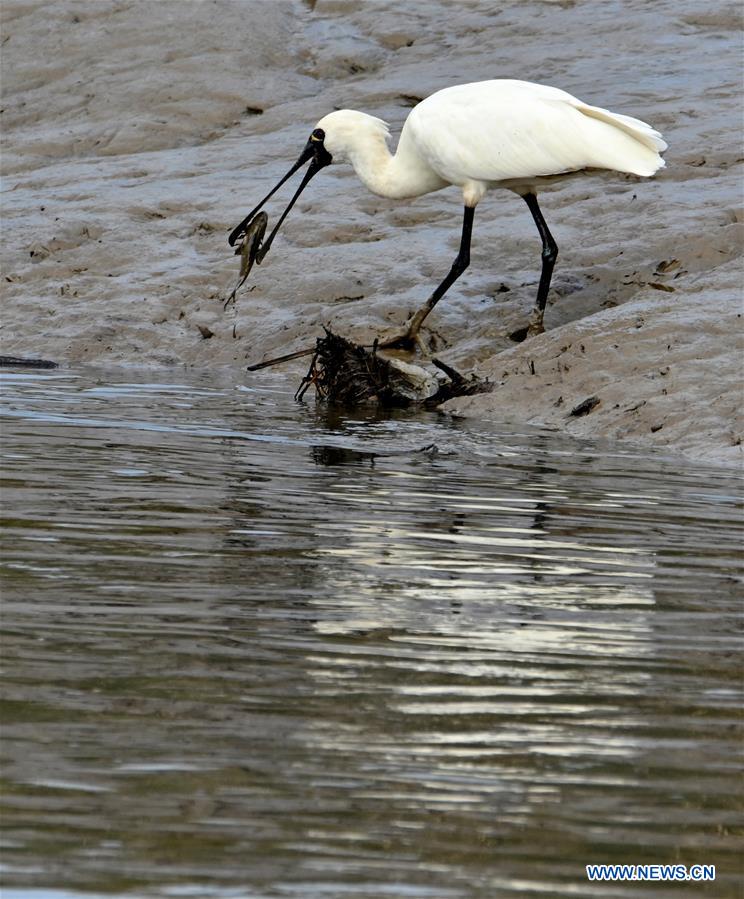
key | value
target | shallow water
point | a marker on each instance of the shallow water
(258, 649)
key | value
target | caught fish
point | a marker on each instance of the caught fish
(249, 250)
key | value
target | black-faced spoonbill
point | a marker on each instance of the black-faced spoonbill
(504, 133)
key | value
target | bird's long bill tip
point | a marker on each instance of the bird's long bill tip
(240, 229)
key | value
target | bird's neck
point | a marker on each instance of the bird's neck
(397, 176)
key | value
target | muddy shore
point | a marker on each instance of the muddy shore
(136, 134)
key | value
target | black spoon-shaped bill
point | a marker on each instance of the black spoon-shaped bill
(314, 150)
(313, 169)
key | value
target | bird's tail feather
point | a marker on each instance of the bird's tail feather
(640, 132)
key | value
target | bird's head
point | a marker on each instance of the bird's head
(332, 140)
(346, 129)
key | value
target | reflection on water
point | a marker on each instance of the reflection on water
(256, 649)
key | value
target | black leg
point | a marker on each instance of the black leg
(549, 254)
(462, 261)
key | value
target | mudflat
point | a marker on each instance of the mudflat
(136, 135)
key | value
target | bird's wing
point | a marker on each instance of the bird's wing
(502, 130)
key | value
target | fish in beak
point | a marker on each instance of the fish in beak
(319, 157)
(248, 250)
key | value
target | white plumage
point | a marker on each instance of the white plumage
(505, 133)
(503, 130)
(491, 132)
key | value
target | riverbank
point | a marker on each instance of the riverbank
(125, 166)
(664, 370)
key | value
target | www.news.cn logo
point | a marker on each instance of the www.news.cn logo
(651, 872)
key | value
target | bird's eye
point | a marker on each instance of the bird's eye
(318, 135)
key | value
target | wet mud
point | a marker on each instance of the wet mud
(125, 170)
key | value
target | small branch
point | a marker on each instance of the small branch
(279, 359)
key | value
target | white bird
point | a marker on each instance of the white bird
(511, 134)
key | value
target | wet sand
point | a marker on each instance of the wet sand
(136, 135)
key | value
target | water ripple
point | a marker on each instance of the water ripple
(253, 648)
